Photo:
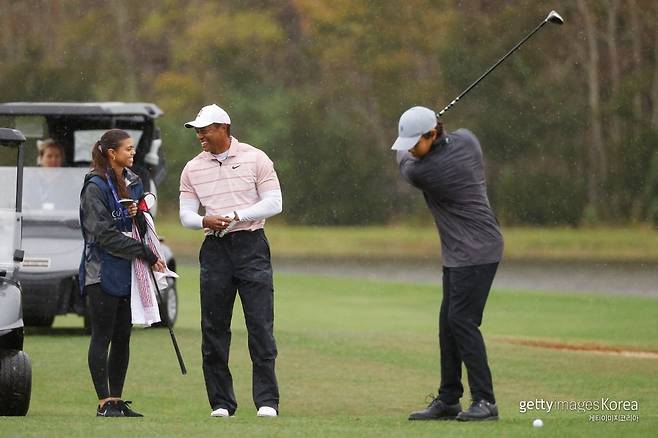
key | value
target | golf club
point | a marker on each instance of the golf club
(183, 370)
(553, 17)
(144, 209)
(228, 228)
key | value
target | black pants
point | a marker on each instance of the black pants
(465, 292)
(238, 262)
(111, 322)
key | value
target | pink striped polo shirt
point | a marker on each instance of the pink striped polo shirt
(232, 184)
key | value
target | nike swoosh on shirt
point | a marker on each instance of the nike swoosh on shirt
(236, 166)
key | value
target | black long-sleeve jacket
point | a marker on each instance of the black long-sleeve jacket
(100, 228)
(451, 176)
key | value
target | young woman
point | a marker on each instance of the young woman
(105, 270)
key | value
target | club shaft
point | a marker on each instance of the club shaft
(179, 356)
(519, 44)
(183, 369)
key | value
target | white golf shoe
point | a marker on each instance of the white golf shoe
(266, 411)
(221, 412)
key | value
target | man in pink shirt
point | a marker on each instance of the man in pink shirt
(238, 188)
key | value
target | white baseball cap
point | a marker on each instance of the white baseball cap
(414, 122)
(208, 115)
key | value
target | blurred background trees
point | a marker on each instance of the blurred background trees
(569, 124)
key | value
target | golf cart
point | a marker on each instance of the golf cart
(15, 368)
(52, 238)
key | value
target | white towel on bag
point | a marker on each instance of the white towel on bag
(143, 299)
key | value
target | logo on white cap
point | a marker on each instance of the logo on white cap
(208, 115)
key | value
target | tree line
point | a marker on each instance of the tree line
(568, 124)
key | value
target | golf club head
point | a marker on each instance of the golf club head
(146, 202)
(555, 18)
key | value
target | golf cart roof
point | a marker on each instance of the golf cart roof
(11, 137)
(79, 108)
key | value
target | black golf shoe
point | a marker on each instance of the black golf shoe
(110, 409)
(479, 411)
(437, 410)
(126, 409)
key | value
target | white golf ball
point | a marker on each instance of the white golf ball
(537, 423)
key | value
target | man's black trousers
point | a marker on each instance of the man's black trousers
(465, 292)
(238, 262)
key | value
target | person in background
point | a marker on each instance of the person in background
(51, 153)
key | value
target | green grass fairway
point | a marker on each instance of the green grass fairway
(355, 357)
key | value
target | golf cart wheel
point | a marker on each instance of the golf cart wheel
(169, 305)
(38, 320)
(40, 304)
(15, 383)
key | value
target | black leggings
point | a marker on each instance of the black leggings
(110, 322)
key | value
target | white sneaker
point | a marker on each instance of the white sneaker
(221, 412)
(266, 411)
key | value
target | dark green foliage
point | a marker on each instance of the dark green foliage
(538, 196)
(320, 86)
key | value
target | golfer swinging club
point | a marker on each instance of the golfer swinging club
(238, 188)
(449, 169)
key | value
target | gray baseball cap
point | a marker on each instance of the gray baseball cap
(414, 122)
